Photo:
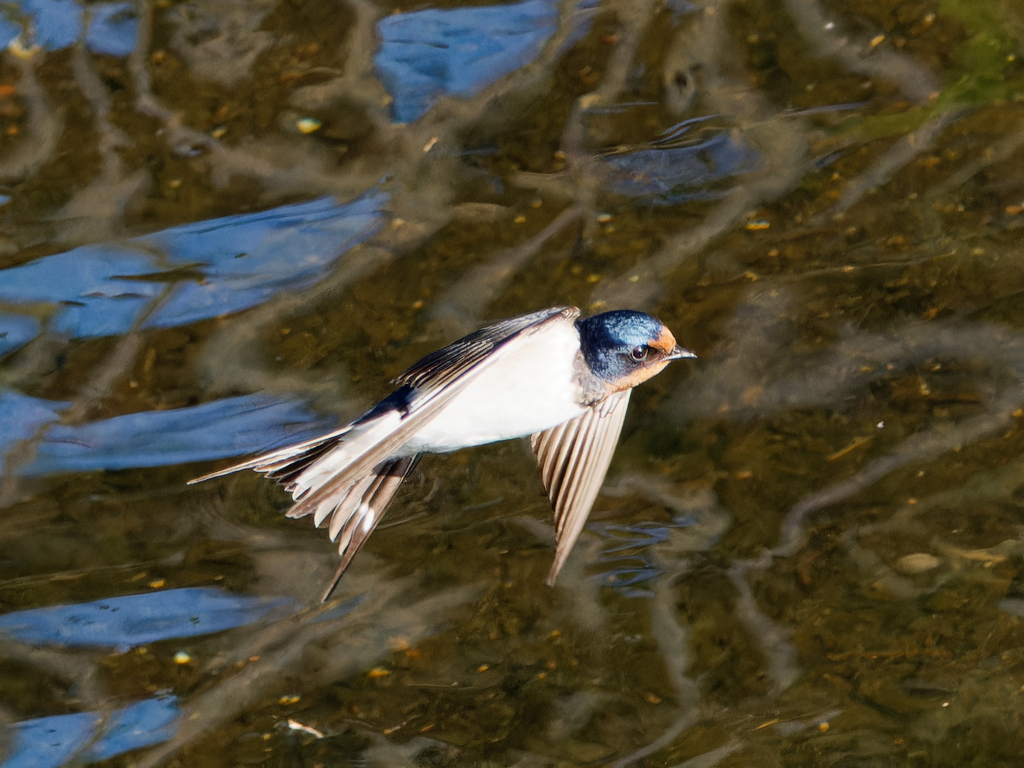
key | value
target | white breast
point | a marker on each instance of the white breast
(527, 391)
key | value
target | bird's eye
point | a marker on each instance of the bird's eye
(639, 353)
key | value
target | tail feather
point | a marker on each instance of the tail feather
(351, 507)
(306, 471)
(343, 504)
(359, 513)
(288, 474)
(284, 464)
(354, 510)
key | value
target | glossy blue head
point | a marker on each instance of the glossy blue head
(625, 348)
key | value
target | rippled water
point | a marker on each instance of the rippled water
(226, 225)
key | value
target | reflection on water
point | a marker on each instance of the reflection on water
(134, 620)
(424, 55)
(213, 430)
(89, 737)
(227, 225)
(664, 175)
(110, 28)
(189, 273)
(216, 430)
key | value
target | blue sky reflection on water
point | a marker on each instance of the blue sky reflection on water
(237, 261)
(130, 621)
(88, 737)
(109, 28)
(120, 623)
(425, 55)
(214, 430)
(16, 331)
(669, 175)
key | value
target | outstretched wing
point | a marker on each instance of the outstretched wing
(574, 459)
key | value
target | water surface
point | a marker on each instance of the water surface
(225, 226)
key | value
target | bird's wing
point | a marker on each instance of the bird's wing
(444, 366)
(320, 470)
(360, 508)
(574, 459)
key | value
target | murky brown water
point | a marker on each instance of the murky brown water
(810, 547)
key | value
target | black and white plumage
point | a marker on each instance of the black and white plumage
(547, 374)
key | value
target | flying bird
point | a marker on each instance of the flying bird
(564, 381)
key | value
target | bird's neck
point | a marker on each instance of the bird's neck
(593, 389)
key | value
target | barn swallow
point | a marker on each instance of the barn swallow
(564, 381)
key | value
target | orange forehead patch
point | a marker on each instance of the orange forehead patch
(666, 342)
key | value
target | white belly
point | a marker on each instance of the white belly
(525, 392)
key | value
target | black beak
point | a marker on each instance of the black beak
(678, 353)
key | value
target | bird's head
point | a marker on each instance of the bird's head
(625, 348)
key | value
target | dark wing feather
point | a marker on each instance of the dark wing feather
(439, 368)
(574, 459)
